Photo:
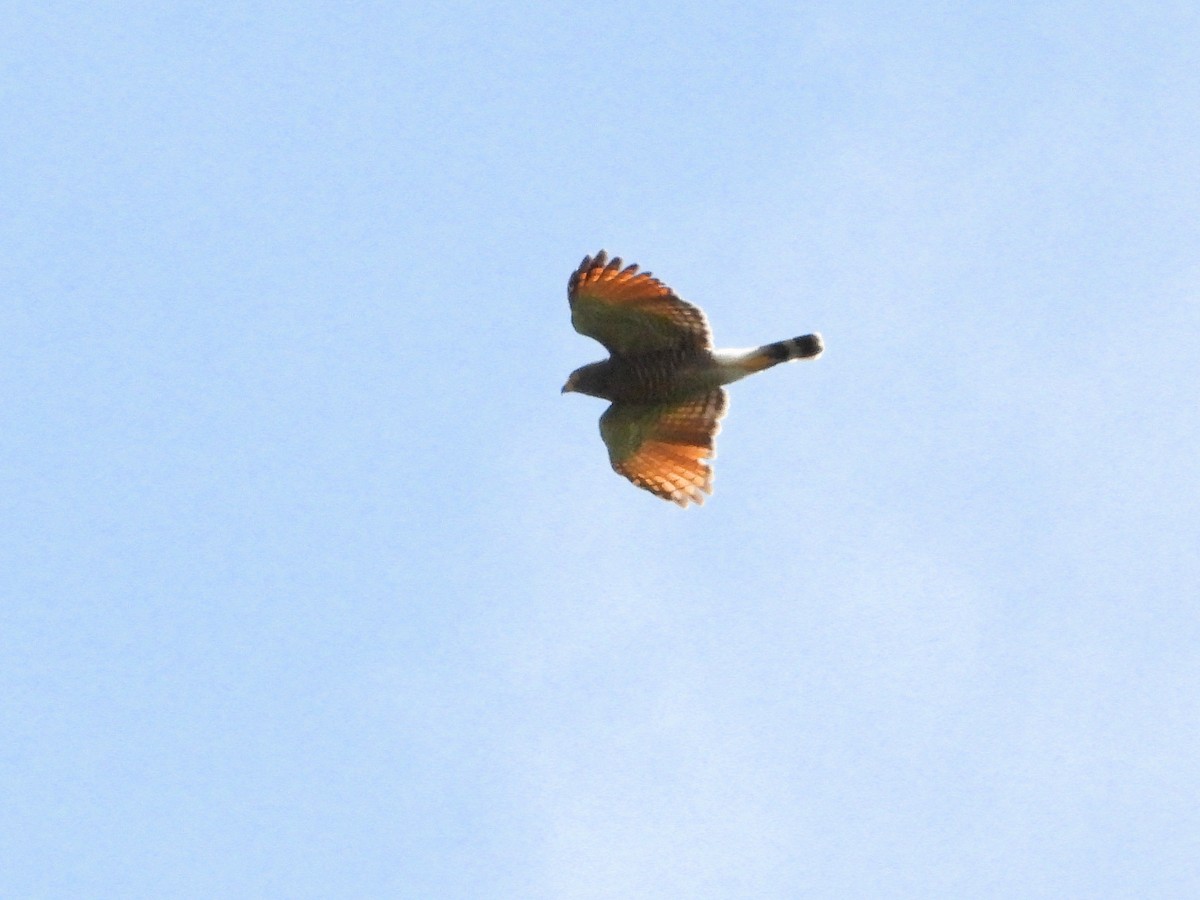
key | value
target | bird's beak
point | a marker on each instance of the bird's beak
(569, 386)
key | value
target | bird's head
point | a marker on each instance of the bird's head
(591, 379)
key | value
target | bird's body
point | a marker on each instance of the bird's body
(663, 377)
(656, 377)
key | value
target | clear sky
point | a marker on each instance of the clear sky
(313, 585)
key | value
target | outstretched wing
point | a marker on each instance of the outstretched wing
(631, 312)
(662, 447)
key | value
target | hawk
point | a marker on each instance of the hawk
(662, 375)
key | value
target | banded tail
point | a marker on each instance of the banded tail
(807, 346)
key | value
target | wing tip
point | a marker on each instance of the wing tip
(693, 494)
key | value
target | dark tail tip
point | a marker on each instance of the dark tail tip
(807, 346)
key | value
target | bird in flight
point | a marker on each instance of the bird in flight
(662, 375)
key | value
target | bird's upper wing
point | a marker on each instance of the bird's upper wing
(631, 312)
(662, 447)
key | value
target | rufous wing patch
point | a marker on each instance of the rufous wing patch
(664, 448)
(630, 311)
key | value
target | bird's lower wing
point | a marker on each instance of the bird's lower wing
(663, 447)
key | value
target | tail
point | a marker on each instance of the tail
(808, 346)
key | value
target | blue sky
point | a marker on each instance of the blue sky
(314, 585)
